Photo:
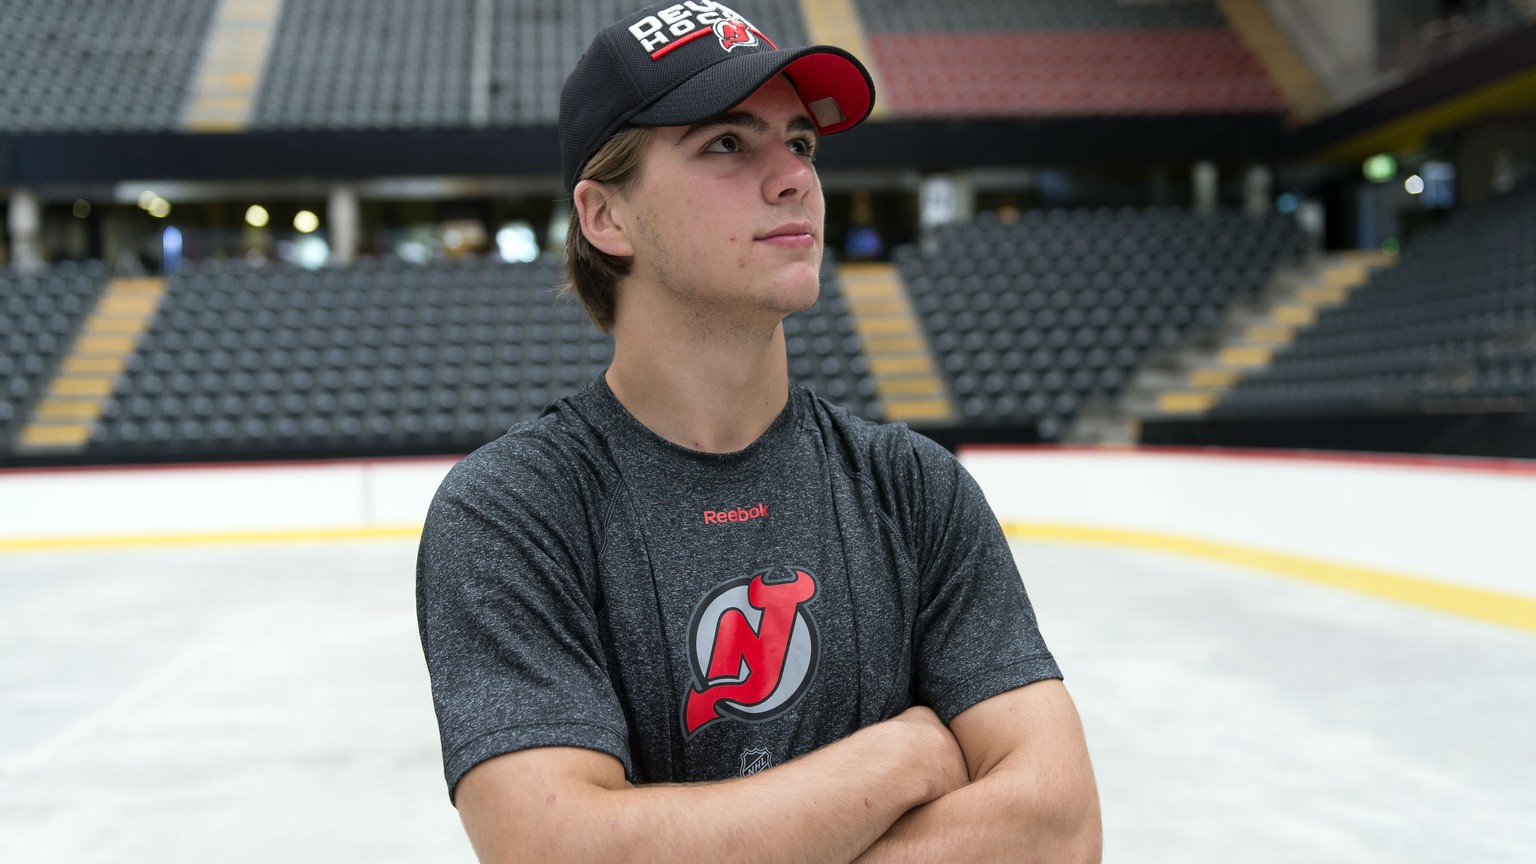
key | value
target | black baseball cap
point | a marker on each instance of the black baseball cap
(673, 64)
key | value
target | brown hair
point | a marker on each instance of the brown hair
(592, 274)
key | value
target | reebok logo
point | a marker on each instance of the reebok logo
(721, 517)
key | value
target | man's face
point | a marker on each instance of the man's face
(727, 216)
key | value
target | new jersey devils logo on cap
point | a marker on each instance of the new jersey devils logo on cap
(735, 32)
(753, 647)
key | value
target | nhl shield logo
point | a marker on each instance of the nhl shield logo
(754, 759)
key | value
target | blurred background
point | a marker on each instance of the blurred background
(321, 227)
(269, 266)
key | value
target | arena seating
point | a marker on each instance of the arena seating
(1451, 327)
(1028, 320)
(130, 65)
(368, 64)
(998, 58)
(39, 315)
(825, 352)
(981, 16)
(384, 357)
(390, 64)
(1073, 74)
(378, 356)
(126, 65)
(1033, 319)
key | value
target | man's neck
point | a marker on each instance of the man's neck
(710, 389)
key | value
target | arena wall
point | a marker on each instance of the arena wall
(1449, 533)
(1454, 533)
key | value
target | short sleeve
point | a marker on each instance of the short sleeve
(508, 629)
(976, 635)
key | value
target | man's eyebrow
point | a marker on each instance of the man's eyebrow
(743, 120)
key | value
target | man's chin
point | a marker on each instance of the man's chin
(800, 296)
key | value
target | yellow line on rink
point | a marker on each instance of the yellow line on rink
(1480, 603)
(210, 538)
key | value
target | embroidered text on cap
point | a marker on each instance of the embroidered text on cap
(674, 26)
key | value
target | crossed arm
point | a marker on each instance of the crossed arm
(1009, 779)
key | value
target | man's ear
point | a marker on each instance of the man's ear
(603, 218)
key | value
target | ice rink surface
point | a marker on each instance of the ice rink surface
(268, 703)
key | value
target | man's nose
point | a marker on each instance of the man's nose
(789, 178)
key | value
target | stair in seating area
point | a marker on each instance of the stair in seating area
(1252, 337)
(907, 379)
(1277, 50)
(223, 96)
(61, 421)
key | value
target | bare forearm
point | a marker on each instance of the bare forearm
(1033, 799)
(1006, 816)
(829, 805)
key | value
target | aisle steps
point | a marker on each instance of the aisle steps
(1251, 342)
(907, 380)
(61, 421)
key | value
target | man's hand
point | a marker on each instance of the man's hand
(568, 804)
(933, 741)
(906, 783)
(1032, 798)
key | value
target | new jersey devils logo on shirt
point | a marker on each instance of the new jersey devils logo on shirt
(753, 647)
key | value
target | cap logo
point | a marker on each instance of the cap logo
(733, 33)
(677, 25)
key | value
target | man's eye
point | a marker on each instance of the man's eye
(724, 144)
(803, 147)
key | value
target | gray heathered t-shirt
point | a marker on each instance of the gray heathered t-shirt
(584, 582)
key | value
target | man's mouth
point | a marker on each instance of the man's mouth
(791, 235)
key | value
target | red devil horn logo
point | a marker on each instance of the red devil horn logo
(753, 646)
(733, 33)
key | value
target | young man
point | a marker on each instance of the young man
(692, 613)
